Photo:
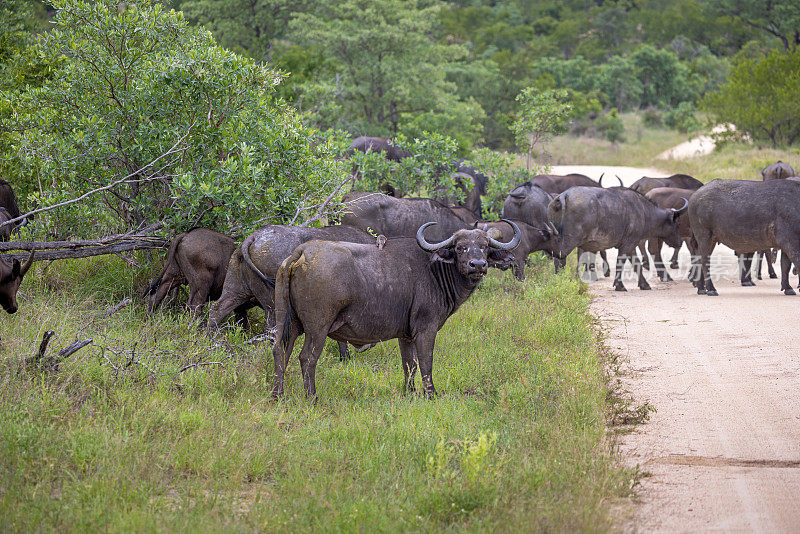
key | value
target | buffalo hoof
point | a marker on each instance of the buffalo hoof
(619, 288)
(712, 293)
(607, 272)
(666, 278)
(749, 283)
(789, 292)
(645, 287)
(773, 275)
(701, 291)
(674, 265)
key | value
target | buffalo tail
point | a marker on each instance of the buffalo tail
(246, 256)
(173, 247)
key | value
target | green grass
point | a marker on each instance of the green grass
(518, 439)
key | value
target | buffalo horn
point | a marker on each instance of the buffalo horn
(431, 247)
(600, 180)
(682, 208)
(620, 180)
(27, 264)
(553, 226)
(511, 244)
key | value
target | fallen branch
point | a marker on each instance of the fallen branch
(51, 363)
(69, 254)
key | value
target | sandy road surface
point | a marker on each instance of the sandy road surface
(723, 447)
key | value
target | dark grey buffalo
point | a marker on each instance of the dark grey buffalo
(11, 275)
(682, 181)
(200, 259)
(777, 171)
(555, 184)
(528, 203)
(596, 219)
(668, 198)
(399, 217)
(532, 239)
(746, 216)
(250, 278)
(363, 294)
(8, 201)
(378, 144)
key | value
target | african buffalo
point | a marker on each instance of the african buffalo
(556, 184)
(777, 171)
(399, 217)
(682, 181)
(531, 239)
(251, 273)
(11, 275)
(596, 219)
(746, 216)
(528, 202)
(668, 198)
(199, 258)
(378, 144)
(364, 294)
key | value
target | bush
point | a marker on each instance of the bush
(682, 118)
(611, 127)
(652, 117)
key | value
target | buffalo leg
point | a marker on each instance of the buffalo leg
(309, 356)
(241, 317)
(638, 268)
(281, 352)
(606, 266)
(770, 255)
(645, 246)
(423, 347)
(618, 285)
(198, 295)
(710, 290)
(344, 352)
(673, 262)
(654, 246)
(786, 266)
(409, 361)
(167, 285)
(745, 265)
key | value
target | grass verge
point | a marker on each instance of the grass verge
(118, 439)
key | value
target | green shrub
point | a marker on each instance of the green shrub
(682, 118)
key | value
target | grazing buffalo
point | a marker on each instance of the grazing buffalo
(11, 275)
(668, 198)
(199, 258)
(596, 219)
(746, 216)
(5, 231)
(777, 171)
(531, 240)
(364, 294)
(556, 184)
(8, 199)
(250, 279)
(682, 181)
(399, 217)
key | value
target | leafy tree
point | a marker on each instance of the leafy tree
(762, 97)
(778, 18)
(665, 80)
(504, 175)
(618, 81)
(384, 67)
(539, 115)
(149, 120)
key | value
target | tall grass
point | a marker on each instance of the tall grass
(117, 439)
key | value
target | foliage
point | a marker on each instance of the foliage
(778, 18)
(424, 172)
(762, 97)
(129, 450)
(383, 69)
(539, 114)
(177, 128)
(682, 118)
(611, 126)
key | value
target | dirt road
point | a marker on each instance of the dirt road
(723, 373)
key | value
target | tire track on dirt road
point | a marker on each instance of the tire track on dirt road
(723, 448)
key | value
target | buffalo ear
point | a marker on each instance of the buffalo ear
(497, 256)
(445, 255)
(15, 270)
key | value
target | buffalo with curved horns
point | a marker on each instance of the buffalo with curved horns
(363, 294)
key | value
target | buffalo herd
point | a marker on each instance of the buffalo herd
(398, 267)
